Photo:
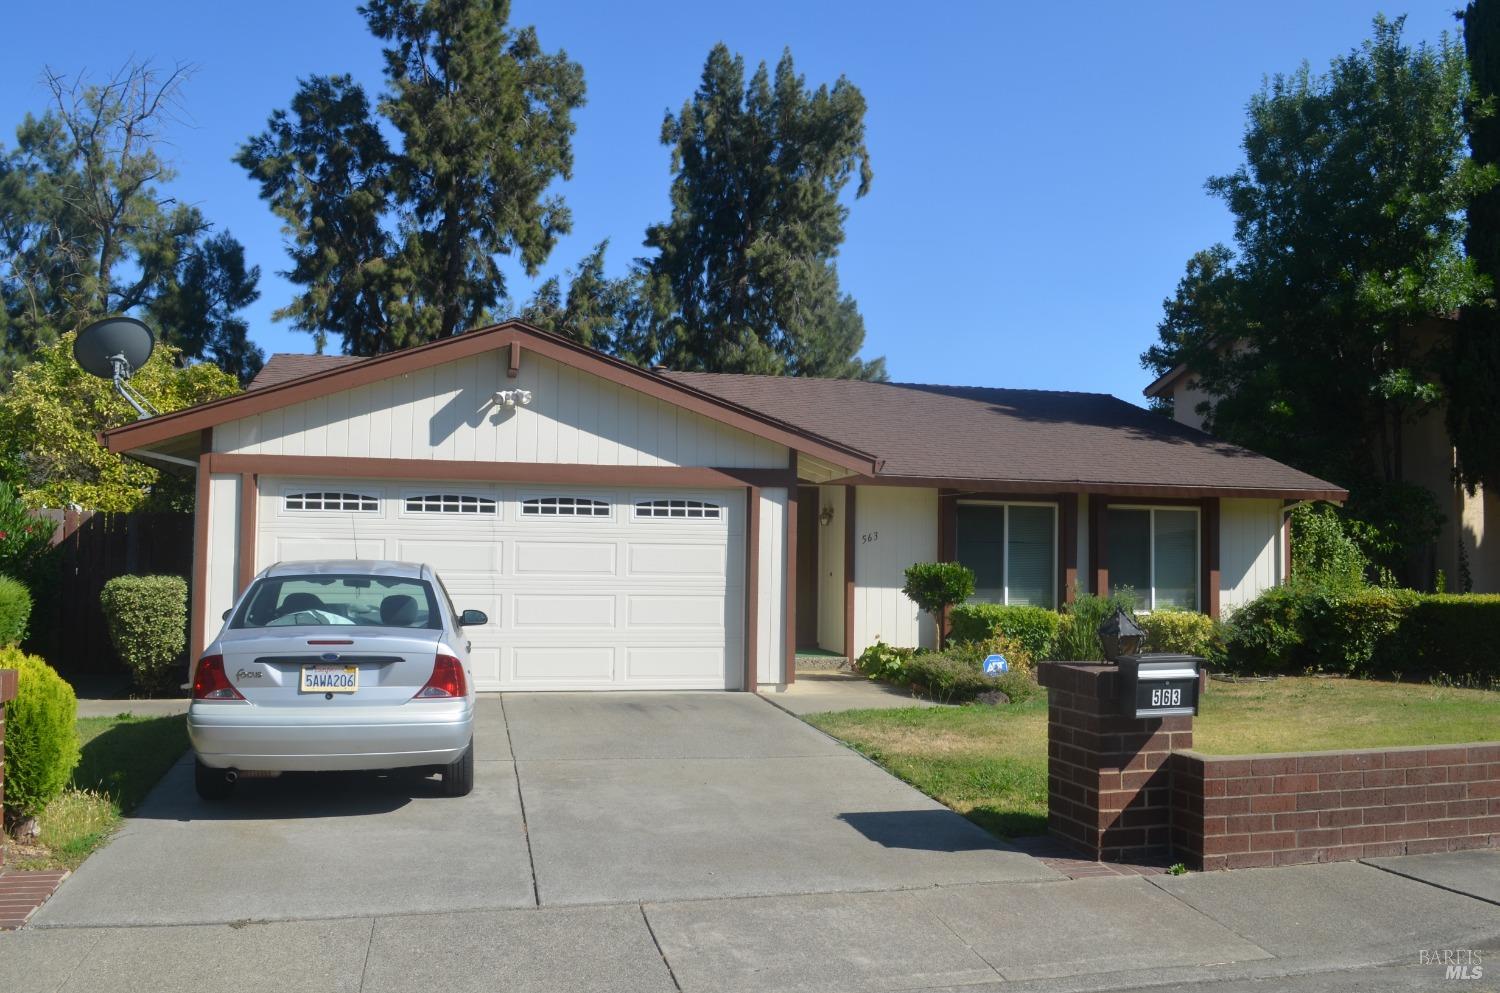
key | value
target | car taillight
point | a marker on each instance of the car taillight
(447, 680)
(211, 682)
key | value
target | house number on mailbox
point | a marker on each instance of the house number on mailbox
(1166, 698)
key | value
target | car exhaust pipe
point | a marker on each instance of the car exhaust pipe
(230, 776)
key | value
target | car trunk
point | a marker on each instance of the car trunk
(267, 667)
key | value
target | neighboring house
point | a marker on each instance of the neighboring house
(630, 529)
(1428, 460)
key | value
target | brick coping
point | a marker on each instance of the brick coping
(1378, 750)
(23, 893)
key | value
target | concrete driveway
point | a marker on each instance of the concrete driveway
(579, 799)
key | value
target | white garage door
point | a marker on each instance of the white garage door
(587, 589)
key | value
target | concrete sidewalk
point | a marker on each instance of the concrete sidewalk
(1344, 926)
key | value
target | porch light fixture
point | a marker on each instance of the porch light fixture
(825, 516)
(1120, 635)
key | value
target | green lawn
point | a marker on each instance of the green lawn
(123, 757)
(990, 763)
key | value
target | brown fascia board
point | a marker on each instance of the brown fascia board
(1328, 491)
(1162, 384)
(354, 375)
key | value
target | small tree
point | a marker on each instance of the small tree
(936, 586)
(147, 618)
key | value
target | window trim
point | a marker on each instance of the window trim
(536, 499)
(1005, 541)
(304, 492)
(1151, 509)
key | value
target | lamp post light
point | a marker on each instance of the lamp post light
(1120, 635)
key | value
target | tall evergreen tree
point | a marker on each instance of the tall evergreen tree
(1473, 372)
(1315, 336)
(398, 246)
(744, 277)
(86, 229)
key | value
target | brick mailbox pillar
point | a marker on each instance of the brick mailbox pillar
(1109, 789)
(8, 680)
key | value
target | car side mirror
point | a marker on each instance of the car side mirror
(470, 618)
(225, 615)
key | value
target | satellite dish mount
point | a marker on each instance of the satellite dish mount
(115, 348)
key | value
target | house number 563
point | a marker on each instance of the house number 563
(869, 537)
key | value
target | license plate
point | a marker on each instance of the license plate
(330, 678)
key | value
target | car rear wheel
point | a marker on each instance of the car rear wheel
(458, 775)
(213, 785)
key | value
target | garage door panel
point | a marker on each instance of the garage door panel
(558, 558)
(561, 665)
(675, 663)
(302, 548)
(480, 554)
(484, 663)
(538, 610)
(676, 560)
(676, 611)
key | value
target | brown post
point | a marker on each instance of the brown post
(1098, 559)
(849, 548)
(1209, 523)
(8, 682)
(1109, 777)
(790, 579)
(752, 586)
(1067, 547)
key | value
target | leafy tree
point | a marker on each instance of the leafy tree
(86, 231)
(744, 279)
(398, 246)
(1319, 335)
(53, 409)
(593, 309)
(936, 586)
(1473, 372)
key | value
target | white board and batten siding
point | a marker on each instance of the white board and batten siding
(894, 527)
(446, 413)
(1251, 550)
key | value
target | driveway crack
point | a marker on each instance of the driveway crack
(364, 969)
(515, 765)
(659, 950)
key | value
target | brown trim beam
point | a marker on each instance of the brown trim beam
(1098, 558)
(1208, 539)
(1002, 489)
(1067, 547)
(752, 587)
(789, 675)
(849, 549)
(491, 472)
(249, 496)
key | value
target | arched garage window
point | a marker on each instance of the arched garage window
(449, 503)
(563, 506)
(332, 501)
(680, 509)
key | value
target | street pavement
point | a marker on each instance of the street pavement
(698, 842)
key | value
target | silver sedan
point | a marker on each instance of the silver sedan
(325, 666)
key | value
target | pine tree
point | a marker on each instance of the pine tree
(398, 246)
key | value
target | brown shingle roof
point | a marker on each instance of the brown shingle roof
(284, 366)
(958, 433)
(1025, 436)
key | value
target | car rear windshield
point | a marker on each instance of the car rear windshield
(372, 601)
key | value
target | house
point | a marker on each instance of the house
(633, 529)
(1463, 550)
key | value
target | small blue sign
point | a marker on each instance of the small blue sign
(995, 665)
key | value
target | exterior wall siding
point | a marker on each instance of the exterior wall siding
(895, 526)
(771, 616)
(445, 413)
(1250, 550)
(831, 571)
(223, 550)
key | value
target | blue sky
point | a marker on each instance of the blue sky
(1038, 175)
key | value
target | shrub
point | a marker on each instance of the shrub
(1447, 633)
(936, 586)
(882, 661)
(949, 679)
(1033, 627)
(41, 739)
(15, 611)
(1078, 633)
(1301, 627)
(1324, 553)
(1017, 656)
(147, 617)
(24, 539)
(1183, 631)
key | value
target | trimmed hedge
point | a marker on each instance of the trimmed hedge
(1183, 631)
(1446, 633)
(41, 739)
(147, 618)
(1033, 627)
(15, 611)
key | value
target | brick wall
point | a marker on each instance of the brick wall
(8, 678)
(1234, 812)
(1108, 776)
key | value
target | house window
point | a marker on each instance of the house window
(1154, 551)
(563, 506)
(681, 509)
(1012, 549)
(449, 503)
(331, 501)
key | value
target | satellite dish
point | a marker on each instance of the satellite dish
(115, 348)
